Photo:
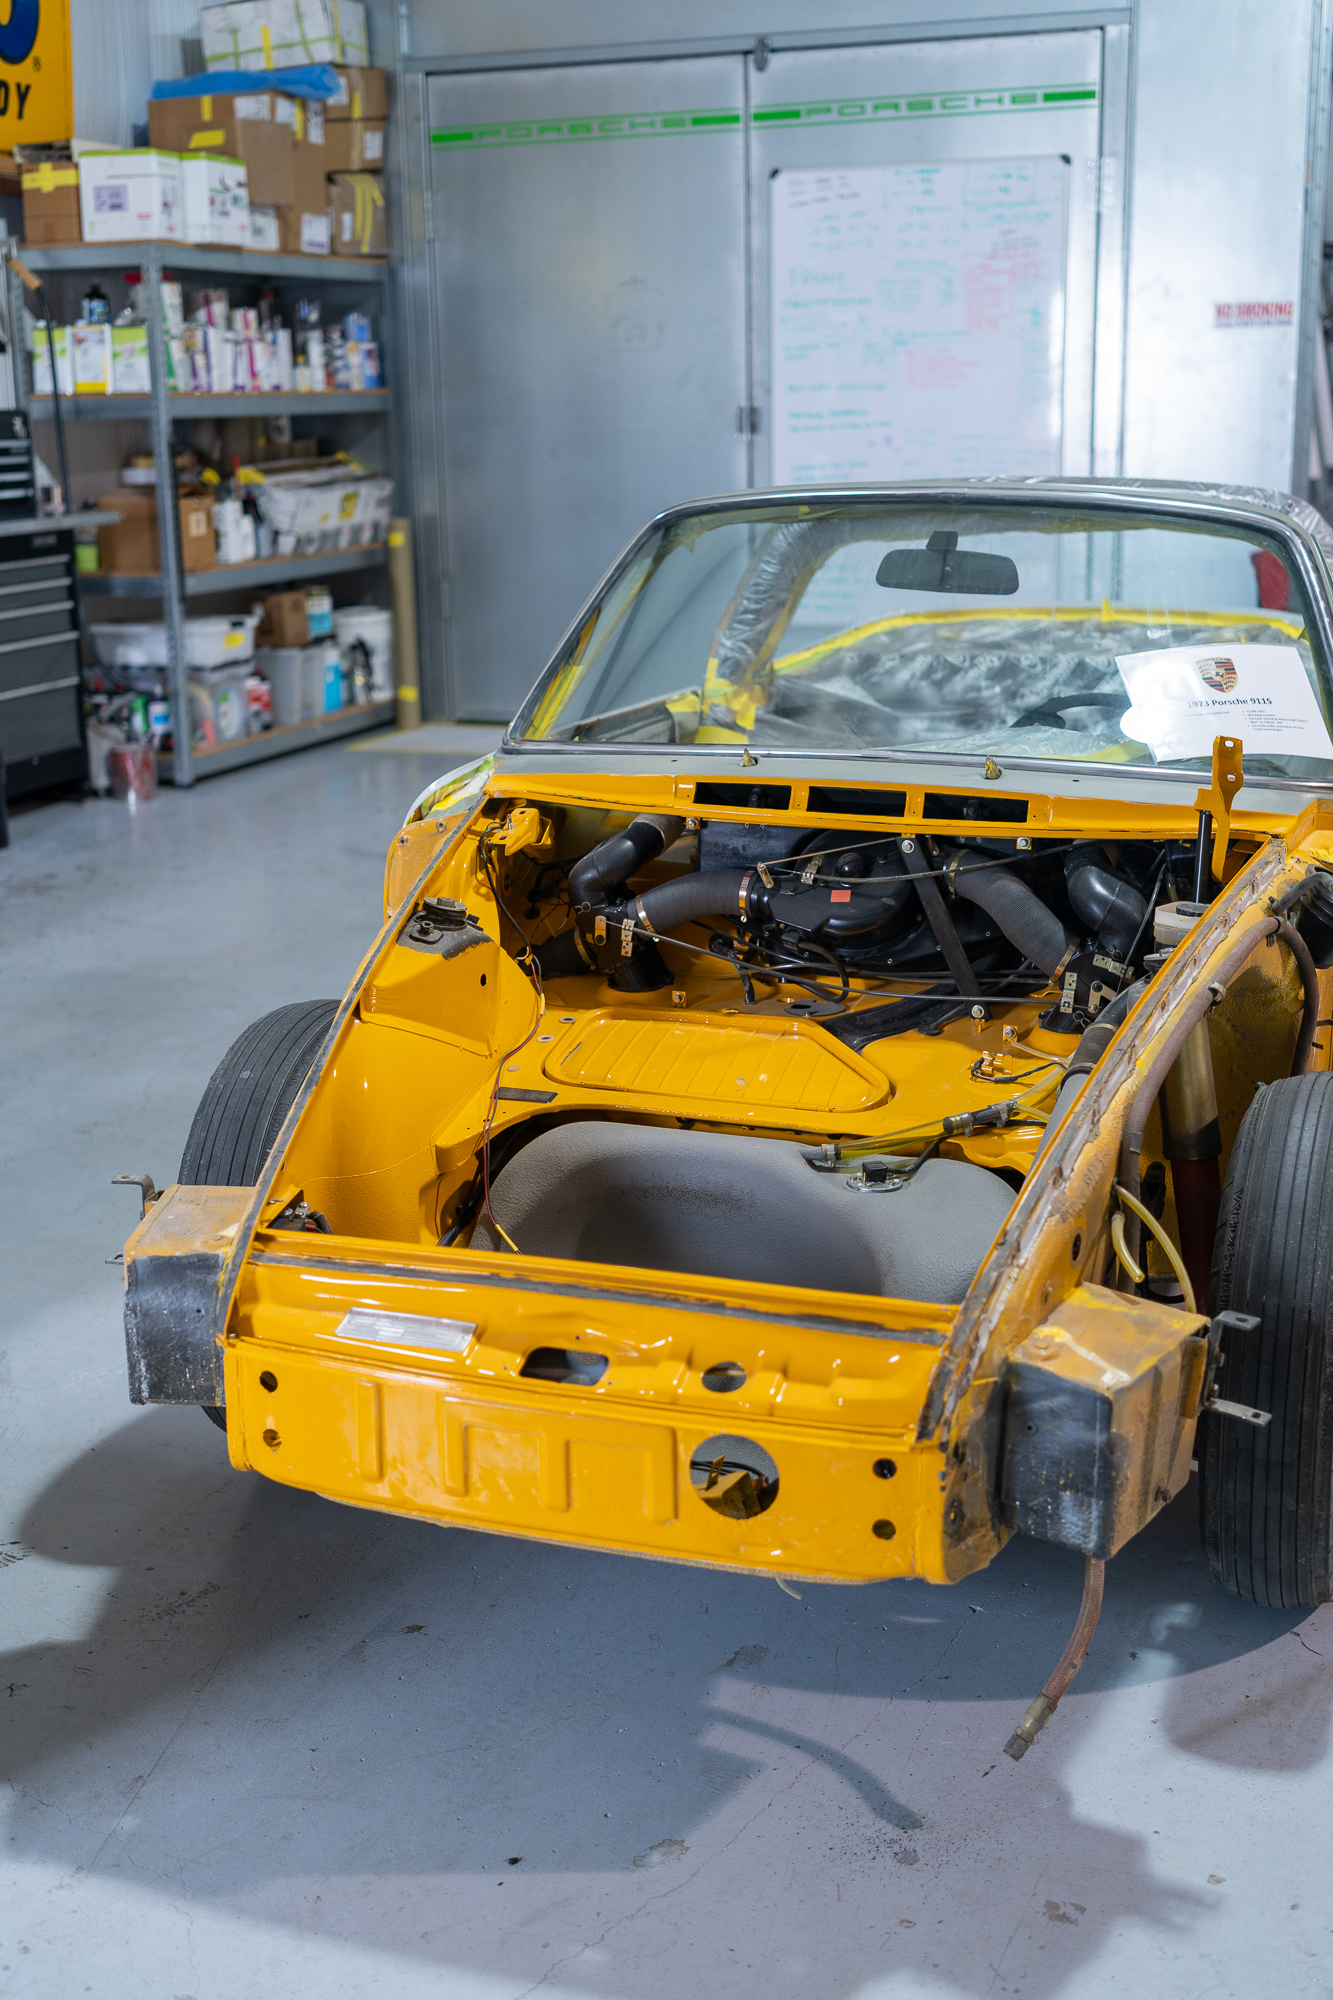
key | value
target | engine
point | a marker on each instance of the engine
(817, 906)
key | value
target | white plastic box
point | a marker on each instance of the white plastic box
(209, 642)
(280, 34)
(130, 197)
(309, 511)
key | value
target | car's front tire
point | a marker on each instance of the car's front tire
(1266, 1496)
(246, 1100)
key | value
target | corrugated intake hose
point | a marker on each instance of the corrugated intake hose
(714, 894)
(1093, 1044)
(1112, 909)
(599, 878)
(1023, 917)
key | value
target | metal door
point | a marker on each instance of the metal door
(1030, 105)
(589, 224)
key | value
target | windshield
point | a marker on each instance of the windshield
(1040, 632)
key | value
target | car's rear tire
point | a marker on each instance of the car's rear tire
(1266, 1496)
(246, 1099)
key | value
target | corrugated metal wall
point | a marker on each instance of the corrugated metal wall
(119, 49)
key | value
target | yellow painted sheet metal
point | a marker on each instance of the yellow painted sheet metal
(778, 1063)
(464, 1437)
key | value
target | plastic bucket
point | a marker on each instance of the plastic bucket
(372, 627)
(284, 667)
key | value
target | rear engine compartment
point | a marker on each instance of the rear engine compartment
(816, 1051)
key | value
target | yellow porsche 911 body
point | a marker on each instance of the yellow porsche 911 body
(764, 1135)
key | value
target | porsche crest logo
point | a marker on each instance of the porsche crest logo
(1219, 673)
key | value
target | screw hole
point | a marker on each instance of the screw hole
(268, 1380)
(884, 1468)
(885, 1530)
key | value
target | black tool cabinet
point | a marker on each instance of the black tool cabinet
(41, 713)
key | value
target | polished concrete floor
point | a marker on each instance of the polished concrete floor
(256, 1744)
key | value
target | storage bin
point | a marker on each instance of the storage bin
(209, 642)
(306, 681)
(219, 706)
(372, 627)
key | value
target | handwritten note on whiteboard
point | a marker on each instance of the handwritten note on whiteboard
(918, 320)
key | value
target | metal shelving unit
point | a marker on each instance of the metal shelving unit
(161, 410)
(261, 575)
(331, 402)
(300, 736)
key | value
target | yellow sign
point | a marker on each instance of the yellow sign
(36, 84)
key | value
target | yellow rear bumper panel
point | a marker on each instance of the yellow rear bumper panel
(319, 1397)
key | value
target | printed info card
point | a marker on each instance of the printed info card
(1184, 696)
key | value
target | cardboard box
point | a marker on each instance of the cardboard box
(281, 34)
(360, 221)
(304, 232)
(129, 546)
(284, 622)
(130, 197)
(215, 200)
(354, 146)
(51, 204)
(309, 155)
(255, 127)
(362, 93)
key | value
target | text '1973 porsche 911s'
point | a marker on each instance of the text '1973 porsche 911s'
(841, 1086)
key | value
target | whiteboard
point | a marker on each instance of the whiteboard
(918, 320)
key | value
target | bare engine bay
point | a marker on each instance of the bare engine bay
(807, 1055)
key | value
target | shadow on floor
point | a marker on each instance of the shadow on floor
(288, 1695)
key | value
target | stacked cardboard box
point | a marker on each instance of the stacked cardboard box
(339, 159)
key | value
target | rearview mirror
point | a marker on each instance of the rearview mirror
(943, 566)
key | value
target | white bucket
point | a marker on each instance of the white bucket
(373, 627)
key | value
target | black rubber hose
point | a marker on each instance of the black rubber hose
(1112, 909)
(716, 893)
(561, 958)
(1023, 917)
(1092, 1046)
(599, 878)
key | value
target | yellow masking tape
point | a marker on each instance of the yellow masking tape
(205, 141)
(206, 109)
(267, 40)
(298, 121)
(397, 539)
(43, 179)
(356, 104)
(409, 694)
